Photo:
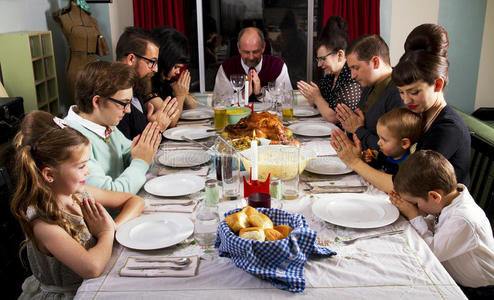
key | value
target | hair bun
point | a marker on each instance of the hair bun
(431, 38)
(336, 24)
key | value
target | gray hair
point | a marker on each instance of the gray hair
(259, 32)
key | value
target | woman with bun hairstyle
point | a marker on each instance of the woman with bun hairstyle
(421, 76)
(337, 86)
(69, 234)
(173, 78)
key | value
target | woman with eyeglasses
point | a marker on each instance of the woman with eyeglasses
(173, 78)
(337, 86)
(103, 95)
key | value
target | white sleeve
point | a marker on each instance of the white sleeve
(284, 78)
(222, 85)
(452, 239)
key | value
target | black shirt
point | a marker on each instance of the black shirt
(449, 136)
(133, 123)
(346, 89)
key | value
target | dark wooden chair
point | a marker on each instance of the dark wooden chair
(481, 164)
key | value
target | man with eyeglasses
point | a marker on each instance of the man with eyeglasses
(261, 69)
(137, 48)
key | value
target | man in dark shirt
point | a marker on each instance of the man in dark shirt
(136, 47)
(368, 59)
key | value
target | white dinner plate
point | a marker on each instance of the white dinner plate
(313, 128)
(355, 210)
(154, 231)
(305, 111)
(174, 185)
(192, 132)
(327, 165)
(261, 106)
(196, 114)
(184, 158)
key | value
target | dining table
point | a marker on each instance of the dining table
(384, 262)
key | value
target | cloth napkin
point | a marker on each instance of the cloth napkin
(168, 204)
(340, 184)
(320, 147)
(203, 171)
(281, 262)
(159, 271)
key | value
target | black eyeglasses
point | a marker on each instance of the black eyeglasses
(153, 62)
(125, 105)
(323, 58)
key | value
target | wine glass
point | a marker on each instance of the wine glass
(237, 81)
(275, 93)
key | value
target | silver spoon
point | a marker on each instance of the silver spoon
(179, 261)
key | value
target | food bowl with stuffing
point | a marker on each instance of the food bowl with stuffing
(235, 113)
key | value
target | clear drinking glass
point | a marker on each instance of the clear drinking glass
(290, 173)
(287, 106)
(238, 81)
(230, 174)
(219, 106)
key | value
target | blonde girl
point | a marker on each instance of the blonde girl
(69, 234)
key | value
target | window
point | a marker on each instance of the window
(285, 25)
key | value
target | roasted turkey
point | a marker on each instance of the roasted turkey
(264, 124)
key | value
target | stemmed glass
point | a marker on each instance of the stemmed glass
(237, 81)
(275, 93)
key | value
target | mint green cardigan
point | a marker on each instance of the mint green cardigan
(111, 164)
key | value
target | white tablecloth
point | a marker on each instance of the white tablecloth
(399, 266)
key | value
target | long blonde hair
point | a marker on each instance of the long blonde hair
(41, 143)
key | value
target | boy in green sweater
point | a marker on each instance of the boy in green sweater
(103, 95)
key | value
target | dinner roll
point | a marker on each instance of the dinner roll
(252, 233)
(283, 229)
(249, 210)
(237, 221)
(260, 220)
(273, 235)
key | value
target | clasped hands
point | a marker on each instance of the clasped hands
(350, 120)
(165, 113)
(144, 145)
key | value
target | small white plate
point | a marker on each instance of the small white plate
(305, 111)
(261, 106)
(355, 210)
(191, 132)
(154, 231)
(174, 185)
(184, 158)
(313, 128)
(328, 165)
(196, 114)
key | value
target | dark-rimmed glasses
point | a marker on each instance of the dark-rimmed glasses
(125, 105)
(323, 58)
(153, 62)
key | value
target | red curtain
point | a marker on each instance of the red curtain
(151, 13)
(362, 16)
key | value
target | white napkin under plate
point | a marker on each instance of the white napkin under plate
(154, 204)
(203, 171)
(156, 269)
(346, 181)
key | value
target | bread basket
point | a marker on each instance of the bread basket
(280, 262)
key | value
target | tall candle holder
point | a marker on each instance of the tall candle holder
(255, 186)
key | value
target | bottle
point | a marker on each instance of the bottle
(207, 217)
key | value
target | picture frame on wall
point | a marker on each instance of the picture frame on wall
(99, 1)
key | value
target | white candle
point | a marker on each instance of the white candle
(253, 149)
(246, 90)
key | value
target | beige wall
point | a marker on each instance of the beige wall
(405, 16)
(121, 16)
(485, 89)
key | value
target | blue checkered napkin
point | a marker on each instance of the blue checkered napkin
(281, 262)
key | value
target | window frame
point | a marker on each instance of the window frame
(200, 43)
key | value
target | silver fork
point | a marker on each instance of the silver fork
(348, 241)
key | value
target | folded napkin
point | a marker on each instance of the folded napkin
(203, 171)
(342, 184)
(281, 262)
(320, 147)
(346, 181)
(158, 269)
